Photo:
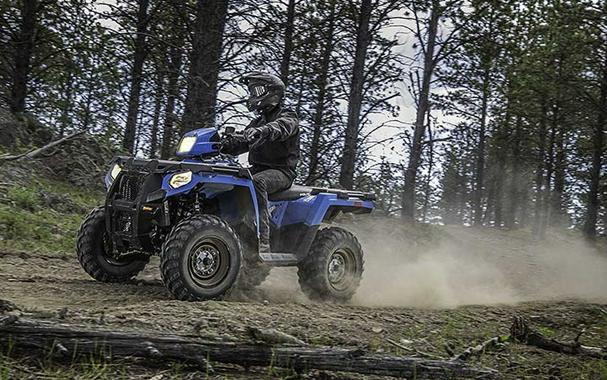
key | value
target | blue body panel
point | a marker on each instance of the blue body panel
(311, 209)
(107, 180)
(204, 144)
(210, 191)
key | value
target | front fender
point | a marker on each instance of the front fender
(212, 185)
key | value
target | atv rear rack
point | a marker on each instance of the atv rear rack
(344, 194)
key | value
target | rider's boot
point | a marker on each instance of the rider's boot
(264, 247)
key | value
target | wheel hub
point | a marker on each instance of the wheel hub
(206, 261)
(337, 268)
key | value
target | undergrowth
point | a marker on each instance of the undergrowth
(44, 216)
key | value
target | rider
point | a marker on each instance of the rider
(272, 140)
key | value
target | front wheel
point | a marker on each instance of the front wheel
(92, 245)
(333, 269)
(200, 258)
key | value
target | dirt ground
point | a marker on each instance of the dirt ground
(53, 287)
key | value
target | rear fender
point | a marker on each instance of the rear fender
(235, 196)
(315, 209)
(330, 206)
(298, 221)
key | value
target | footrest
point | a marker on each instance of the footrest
(279, 259)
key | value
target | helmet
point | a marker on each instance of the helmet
(266, 91)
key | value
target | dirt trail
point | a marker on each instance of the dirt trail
(464, 267)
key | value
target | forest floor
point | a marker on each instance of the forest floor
(53, 287)
(423, 287)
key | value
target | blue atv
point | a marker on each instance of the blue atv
(200, 213)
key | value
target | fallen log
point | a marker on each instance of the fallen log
(36, 152)
(417, 352)
(76, 341)
(521, 332)
(273, 336)
(479, 349)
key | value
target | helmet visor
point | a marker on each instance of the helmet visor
(258, 90)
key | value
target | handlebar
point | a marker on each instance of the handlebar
(231, 131)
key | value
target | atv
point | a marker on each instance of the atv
(200, 213)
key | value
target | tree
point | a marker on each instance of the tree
(205, 64)
(23, 46)
(428, 44)
(288, 44)
(471, 72)
(363, 38)
(599, 22)
(322, 94)
(168, 131)
(139, 55)
(374, 70)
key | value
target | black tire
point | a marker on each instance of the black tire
(200, 259)
(318, 277)
(90, 248)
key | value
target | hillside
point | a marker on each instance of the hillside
(424, 286)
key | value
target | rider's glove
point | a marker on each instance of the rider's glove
(224, 145)
(255, 136)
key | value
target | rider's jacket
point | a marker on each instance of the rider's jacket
(280, 147)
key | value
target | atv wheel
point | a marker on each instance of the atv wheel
(333, 268)
(200, 258)
(91, 246)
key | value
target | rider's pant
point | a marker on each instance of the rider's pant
(268, 182)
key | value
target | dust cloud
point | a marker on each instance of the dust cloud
(452, 266)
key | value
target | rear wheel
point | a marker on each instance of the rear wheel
(333, 268)
(200, 258)
(92, 248)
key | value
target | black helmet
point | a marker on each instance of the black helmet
(265, 90)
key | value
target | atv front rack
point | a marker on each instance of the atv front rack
(164, 166)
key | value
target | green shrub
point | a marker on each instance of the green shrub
(25, 198)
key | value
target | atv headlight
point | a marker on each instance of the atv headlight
(186, 144)
(116, 169)
(180, 179)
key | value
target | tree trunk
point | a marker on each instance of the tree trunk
(547, 209)
(515, 175)
(23, 50)
(168, 132)
(555, 155)
(539, 174)
(408, 199)
(323, 77)
(66, 120)
(286, 56)
(499, 183)
(479, 175)
(205, 65)
(598, 149)
(90, 94)
(521, 332)
(559, 216)
(427, 182)
(363, 38)
(136, 76)
(159, 95)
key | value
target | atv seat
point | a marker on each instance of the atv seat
(292, 193)
(298, 191)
